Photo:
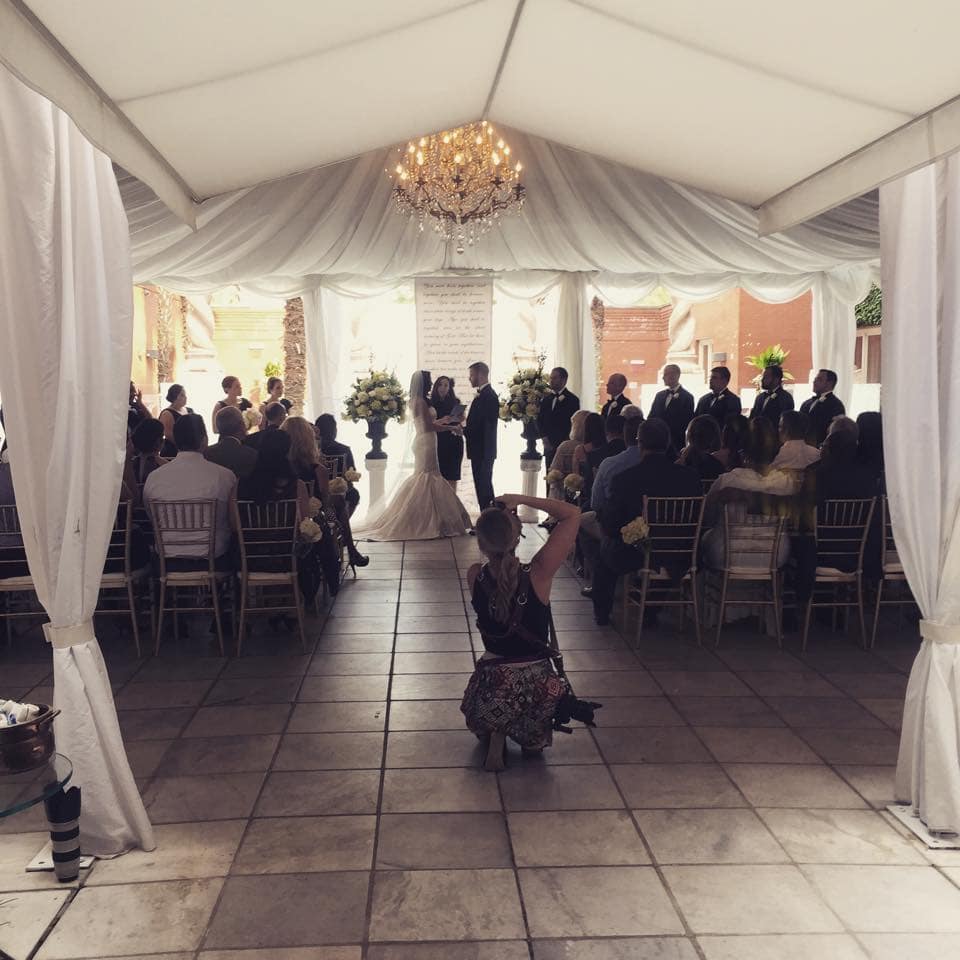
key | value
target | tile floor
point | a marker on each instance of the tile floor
(330, 806)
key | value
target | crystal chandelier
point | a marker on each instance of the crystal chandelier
(463, 179)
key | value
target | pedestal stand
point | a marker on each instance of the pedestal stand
(530, 473)
(377, 472)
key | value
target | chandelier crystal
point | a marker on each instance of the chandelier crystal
(462, 179)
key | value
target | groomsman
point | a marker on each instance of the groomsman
(615, 387)
(824, 406)
(674, 406)
(720, 402)
(772, 400)
(553, 421)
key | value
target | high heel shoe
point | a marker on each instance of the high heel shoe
(496, 753)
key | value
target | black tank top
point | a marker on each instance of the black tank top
(500, 638)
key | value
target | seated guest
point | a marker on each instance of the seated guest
(304, 457)
(720, 402)
(703, 441)
(177, 407)
(514, 690)
(147, 441)
(272, 477)
(733, 439)
(325, 427)
(796, 453)
(230, 451)
(274, 416)
(772, 400)
(870, 444)
(823, 406)
(653, 476)
(616, 384)
(613, 426)
(136, 410)
(233, 390)
(563, 457)
(591, 453)
(191, 477)
(846, 425)
(840, 475)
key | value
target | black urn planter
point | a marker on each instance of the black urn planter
(376, 433)
(531, 434)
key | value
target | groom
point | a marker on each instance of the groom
(481, 433)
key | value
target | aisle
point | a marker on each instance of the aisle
(335, 800)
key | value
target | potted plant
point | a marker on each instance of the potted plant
(376, 399)
(772, 356)
(526, 391)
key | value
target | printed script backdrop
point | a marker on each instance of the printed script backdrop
(454, 326)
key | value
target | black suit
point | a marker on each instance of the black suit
(615, 406)
(553, 421)
(719, 406)
(654, 476)
(256, 439)
(822, 413)
(677, 414)
(480, 432)
(771, 405)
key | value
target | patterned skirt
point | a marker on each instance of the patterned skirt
(517, 698)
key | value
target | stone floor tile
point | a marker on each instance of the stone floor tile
(854, 746)
(238, 720)
(119, 921)
(16, 851)
(435, 686)
(597, 902)
(861, 685)
(305, 793)
(887, 709)
(338, 717)
(364, 625)
(654, 786)
(206, 755)
(575, 640)
(727, 712)
(179, 668)
(622, 683)
(769, 683)
(437, 791)
(290, 910)
(839, 836)
(253, 691)
(576, 838)
(872, 899)
(144, 756)
(173, 695)
(426, 715)
(577, 660)
(832, 712)
(329, 751)
(343, 688)
(749, 899)
(218, 796)
(700, 683)
(445, 905)
(650, 745)
(615, 948)
(578, 747)
(433, 642)
(785, 946)
(428, 841)
(277, 953)
(418, 624)
(306, 845)
(911, 946)
(152, 724)
(786, 785)
(433, 748)
(763, 658)
(558, 788)
(349, 664)
(24, 918)
(434, 662)
(476, 950)
(755, 745)
(638, 712)
(708, 836)
(356, 643)
(185, 851)
(277, 665)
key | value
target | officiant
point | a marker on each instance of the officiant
(556, 411)
(444, 401)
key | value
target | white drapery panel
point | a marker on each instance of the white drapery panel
(575, 350)
(328, 353)
(66, 318)
(920, 230)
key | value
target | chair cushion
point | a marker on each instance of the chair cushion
(893, 567)
(111, 580)
(832, 573)
(195, 577)
(13, 584)
(254, 577)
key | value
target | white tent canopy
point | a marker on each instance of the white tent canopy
(791, 114)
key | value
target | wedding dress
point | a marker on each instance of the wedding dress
(423, 506)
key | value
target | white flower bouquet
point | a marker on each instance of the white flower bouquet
(251, 419)
(525, 391)
(351, 475)
(573, 483)
(314, 506)
(338, 486)
(376, 397)
(636, 532)
(310, 531)
(554, 476)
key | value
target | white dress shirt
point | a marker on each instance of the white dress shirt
(795, 455)
(190, 476)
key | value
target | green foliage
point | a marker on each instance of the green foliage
(870, 310)
(772, 356)
(273, 369)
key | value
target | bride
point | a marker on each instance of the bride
(424, 506)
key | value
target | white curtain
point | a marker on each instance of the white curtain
(328, 352)
(920, 232)
(573, 323)
(65, 352)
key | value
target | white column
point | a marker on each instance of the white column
(529, 478)
(377, 472)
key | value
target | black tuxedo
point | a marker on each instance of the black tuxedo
(822, 413)
(677, 414)
(654, 476)
(719, 406)
(553, 420)
(771, 405)
(615, 406)
(480, 432)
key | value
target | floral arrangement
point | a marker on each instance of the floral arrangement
(251, 419)
(377, 397)
(351, 475)
(636, 532)
(314, 506)
(527, 388)
(573, 483)
(338, 486)
(554, 476)
(310, 531)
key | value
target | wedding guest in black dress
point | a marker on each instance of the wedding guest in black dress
(136, 410)
(591, 453)
(233, 389)
(147, 442)
(870, 445)
(443, 399)
(177, 400)
(325, 427)
(703, 441)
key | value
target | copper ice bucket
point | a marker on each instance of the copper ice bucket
(25, 746)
